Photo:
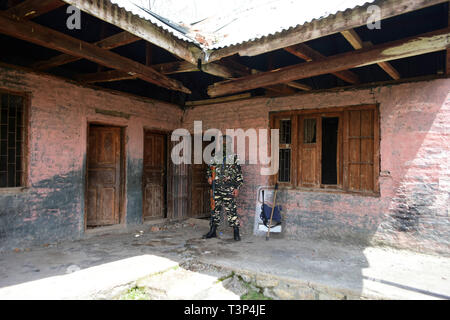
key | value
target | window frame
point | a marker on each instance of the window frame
(25, 140)
(342, 175)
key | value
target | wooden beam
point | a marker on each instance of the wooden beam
(412, 46)
(341, 21)
(117, 75)
(175, 67)
(184, 66)
(30, 9)
(447, 64)
(353, 38)
(299, 86)
(148, 54)
(46, 37)
(140, 27)
(307, 53)
(218, 100)
(390, 70)
(245, 71)
(115, 41)
(105, 76)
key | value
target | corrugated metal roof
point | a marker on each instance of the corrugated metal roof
(137, 8)
(214, 24)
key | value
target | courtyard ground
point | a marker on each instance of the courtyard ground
(171, 261)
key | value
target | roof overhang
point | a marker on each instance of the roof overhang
(157, 32)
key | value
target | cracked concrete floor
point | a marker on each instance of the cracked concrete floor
(103, 266)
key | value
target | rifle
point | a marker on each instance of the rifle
(212, 193)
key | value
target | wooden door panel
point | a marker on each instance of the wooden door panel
(103, 181)
(107, 206)
(91, 205)
(200, 191)
(361, 142)
(107, 148)
(153, 204)
(154, 177)
(309, 163)
(309, 150)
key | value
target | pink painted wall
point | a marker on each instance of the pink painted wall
(413, 209)
(53, 206)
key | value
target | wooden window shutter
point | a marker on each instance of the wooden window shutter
(360, 149)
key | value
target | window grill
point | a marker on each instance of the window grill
(285, 131)
(11, 140)
(284, 174)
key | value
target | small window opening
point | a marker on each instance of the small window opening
(330, 127)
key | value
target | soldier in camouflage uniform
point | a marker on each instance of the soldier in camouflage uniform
(228, 181)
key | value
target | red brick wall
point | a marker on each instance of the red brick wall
(53, 207)
(413, 209)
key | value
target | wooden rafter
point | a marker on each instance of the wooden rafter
(323, 27)
(307, 53)
(105, 76)
(218, 100)
(46, 37)
(30, 9)
(353, 38)
(238, 70)
(245, 71)
(115, 41)
(447, 64)
(106, 11)
(412, 46)
(112, 13)
(117, 75)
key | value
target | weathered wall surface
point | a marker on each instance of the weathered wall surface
(52, 207)
(413, 208)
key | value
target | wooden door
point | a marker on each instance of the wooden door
(200, 192)
(154, 177)
(200, 189)
(309, 150)
(104, 176)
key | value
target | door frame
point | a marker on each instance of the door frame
(166, 134)
(123, 173)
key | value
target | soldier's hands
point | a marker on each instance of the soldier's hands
(236, 193)
(210, 180)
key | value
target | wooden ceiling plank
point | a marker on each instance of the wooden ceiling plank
(421, 44)
(243, 71)
(307, 53)
(30, 9)
(114, 41)
(117, 75)
(49, 38)
(112, 13)
(447, 64)
(355, 41)
(336, 23)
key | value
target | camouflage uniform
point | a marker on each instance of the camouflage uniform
(228, 178)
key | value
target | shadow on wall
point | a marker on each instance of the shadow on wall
(46, 212)
(412, 211)
(53, 209)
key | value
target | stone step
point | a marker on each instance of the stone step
(182, 284)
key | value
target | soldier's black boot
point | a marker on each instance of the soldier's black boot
(211, 233)
(237, 237)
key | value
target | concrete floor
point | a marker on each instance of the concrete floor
(103, 265)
